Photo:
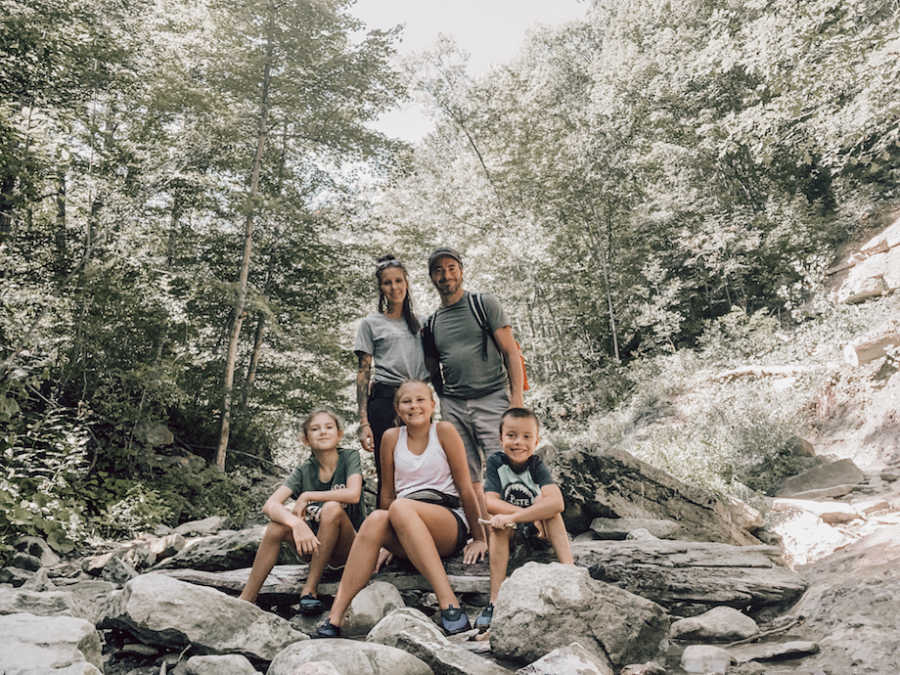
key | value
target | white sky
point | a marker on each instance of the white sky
(491, 31)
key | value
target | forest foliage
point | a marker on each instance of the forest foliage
(626, 185)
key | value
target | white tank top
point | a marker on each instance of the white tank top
(428, 471)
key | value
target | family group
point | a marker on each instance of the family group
(435, 495)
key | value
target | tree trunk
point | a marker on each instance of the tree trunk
(60, 235)
(254, 361)
(240, 300)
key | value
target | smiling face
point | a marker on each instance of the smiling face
(519, 437)
(393, 285)
(322, 432)
(415, 404)
(446, 275)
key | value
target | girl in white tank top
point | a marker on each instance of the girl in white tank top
(422, 455)
(428, 470)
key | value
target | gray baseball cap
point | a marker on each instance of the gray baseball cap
(440, 253)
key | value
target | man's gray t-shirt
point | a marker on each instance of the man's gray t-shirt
(457, 337)
(397, 353)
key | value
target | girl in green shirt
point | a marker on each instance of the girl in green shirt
(328, 509)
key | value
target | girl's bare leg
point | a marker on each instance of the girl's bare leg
(335, 537)
(498, 554)
(556, 533)
(265, 558)
(374, 533)
(426, 532)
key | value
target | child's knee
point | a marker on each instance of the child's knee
(331, 512)
(276, 531)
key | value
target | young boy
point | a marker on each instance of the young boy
(519, 490)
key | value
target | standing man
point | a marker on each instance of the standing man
(473, 365)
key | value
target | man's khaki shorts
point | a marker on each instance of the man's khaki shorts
(478, 422)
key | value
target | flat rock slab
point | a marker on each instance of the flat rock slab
(614, 483)
(43, 644)
(223, 551)
(841, 472)
(773, 651)
(618, 528)
(282, 587)
(692, 577)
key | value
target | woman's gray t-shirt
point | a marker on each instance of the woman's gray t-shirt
(397, 353)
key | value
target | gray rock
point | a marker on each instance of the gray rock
(229, 664)
(167, 546)
(409, 620)
(348, 656)
(39, 582)
(37, 547)
(771, 651)
(370, 606)
(42, 603)
(705, 659)
(14, 576)
(543, 606)
(447, 657)
(316, 668)
(224, 551)
(690, 577)
(613, 483)
(720, 624)
(649, 668)
(25, 561)
(117, 570)
(204, 527)
(41, 644)
(163, 611)
(841, 472)
(618, 528)
(92, 594)
(570, 659)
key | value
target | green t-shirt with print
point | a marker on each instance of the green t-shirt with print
(305, 478)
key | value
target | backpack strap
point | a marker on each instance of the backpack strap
(476, 305)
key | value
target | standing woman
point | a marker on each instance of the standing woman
(389, 339)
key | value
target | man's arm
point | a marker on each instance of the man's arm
(503, 336)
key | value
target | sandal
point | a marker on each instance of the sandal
(454, 620)
(310, 605)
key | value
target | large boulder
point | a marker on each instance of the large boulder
(841, 472)
(612, 483)
(689, 577)
(410, 630)
(38, 645)
(541, 607)
(160, 610)
(348, 656)
(224, 551)
(227, 664)
(720, 624)
(409, 620)
(39, 548)
(370, 606)
(572, 658)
